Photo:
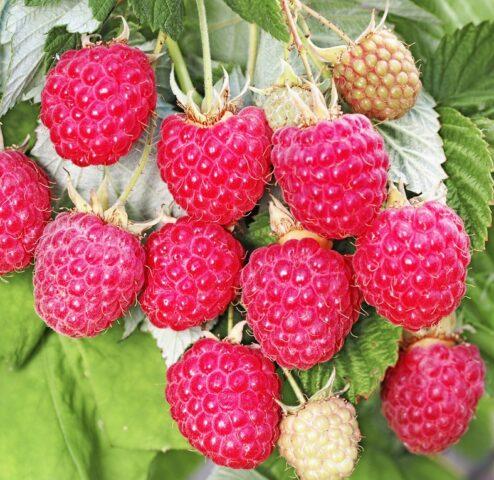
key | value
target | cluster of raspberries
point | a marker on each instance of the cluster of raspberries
(301, 297)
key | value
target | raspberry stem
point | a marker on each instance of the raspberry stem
(324, 21)
(230, 317)
(181, 70)
(253, 48)
(206, 55)
(297, 40)
(296, 389)
(160, 42)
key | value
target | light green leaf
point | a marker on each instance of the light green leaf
(265, 13)
(23, 35)
(413, 467)
(141, 204)
(166, 15)
(259, 232)
(21, 328)
(455, 14)
(369, 350)
(415, 147)
(469, 167)
(222, 473)
(459, 73)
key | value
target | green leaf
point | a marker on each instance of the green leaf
(259, 232)
(374, 464)
(166, 15)
(58, 41)
(21, 328)
(175, 464)
(19, 122)
(413, 467)
(459, 72)
(455, 14)
(265, 13)
(222, 473)
(369, 350)
(415, 147)
(469, 167)
(276, 468)
(102, 8)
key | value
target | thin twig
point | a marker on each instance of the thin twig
(296, 389)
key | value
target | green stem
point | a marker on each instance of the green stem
(2, 146)
(253, 49)
(206, 55)
(160, 42)
(181, 70)
(296, 389)
(231, 312)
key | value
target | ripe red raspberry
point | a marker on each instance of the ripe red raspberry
(216, 173)
(333, 174)
(193, 271)
(24, 209)
(431, 394)
(87, 273)
(97, 101)
(412, 264)
(300, 302)
(223, 397)
(377, 76)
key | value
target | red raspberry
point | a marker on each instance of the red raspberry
(412, 264)
(193, 273)
(223, 397)
(87, 274)
(24, 209)
(430, 396)
(97, 102)
(333, 174)
(216, 173)
(300, 302)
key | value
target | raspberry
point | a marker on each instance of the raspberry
(87, 273)
(321, 439)
(300, 302)
(216, 173)
(97, 102)
(193, 271)
(333, 174)
(223, 397)
(377, 76)
(24, 209)
(280, 109)
(431, 394)
(412, 264)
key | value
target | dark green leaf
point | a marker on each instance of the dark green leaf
(374, 464)
(265, 13)
(223, 473)
(102, 8)
(20, 326)
(469, 167)
(276, 468)
(369, 350)
(175, 464)
(166, 15)
(19, 122)
(413, 467)
(58, 41)
(459, 73)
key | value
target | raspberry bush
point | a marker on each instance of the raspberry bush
(251, 231)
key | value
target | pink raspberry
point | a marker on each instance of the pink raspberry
(412, 264)
(193, 271)
(300, 301)
(216, 173)
(87, 274)
(24, 209)
(333, 174)
(97, 102)
(223, 397)
(431, 394)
